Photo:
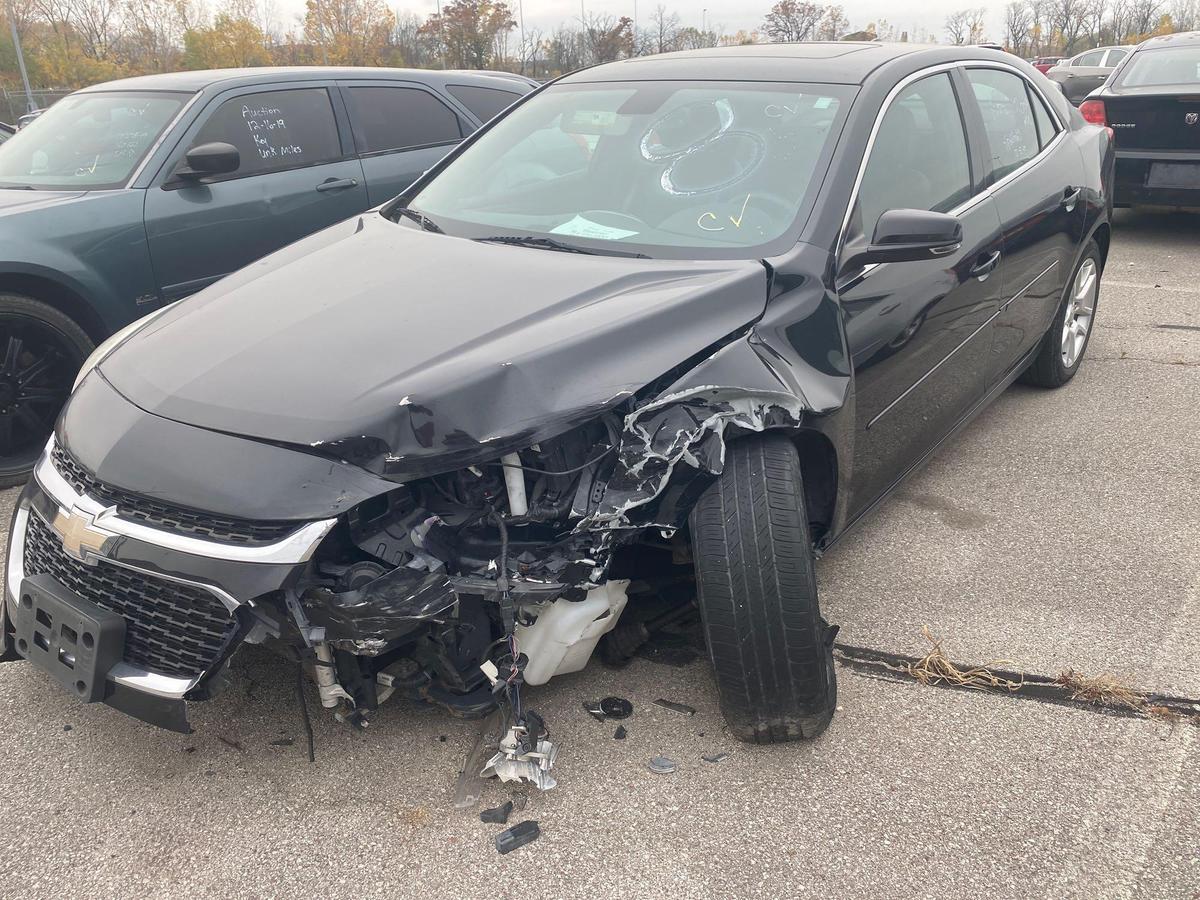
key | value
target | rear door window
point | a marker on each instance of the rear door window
(1114, 57)
(1007, 118)
(1094, 58)
(275, 130)
(1046, 127)
(397, 118)
(483, 102)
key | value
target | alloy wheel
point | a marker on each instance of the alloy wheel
(1081, 306)
(37, 366)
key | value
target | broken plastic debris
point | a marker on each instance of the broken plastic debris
(616, 707)
(608, 708)
(660, 765)
(619, 734)
(676, 707)
(517, 836)
(715, 757)
(497, 815)
(512, 763)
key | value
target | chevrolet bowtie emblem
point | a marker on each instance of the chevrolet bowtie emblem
(80, 535)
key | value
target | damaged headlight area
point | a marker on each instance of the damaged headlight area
(460, 588)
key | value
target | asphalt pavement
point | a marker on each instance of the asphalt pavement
(1060, 531)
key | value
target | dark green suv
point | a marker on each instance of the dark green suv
(129, 195)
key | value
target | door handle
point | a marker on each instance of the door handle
(1070, 198)
(337, 184)
(983, 269)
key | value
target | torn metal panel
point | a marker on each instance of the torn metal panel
(685, 428)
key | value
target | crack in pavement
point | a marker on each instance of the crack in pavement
(897, 667)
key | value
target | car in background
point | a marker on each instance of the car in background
(1044, 63)
(1152, 105)
(1080, 75)
(126, 196)
(6, 131)
(663, 330)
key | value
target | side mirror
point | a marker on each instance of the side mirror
(907, 235)
(217, 158)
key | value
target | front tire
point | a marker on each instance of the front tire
(41, 350)
(1065, 342)
(757, 590)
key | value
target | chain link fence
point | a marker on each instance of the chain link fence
(14, 104)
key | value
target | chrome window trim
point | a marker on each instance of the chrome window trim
(298, 547)
(985, 192)
(122, 673)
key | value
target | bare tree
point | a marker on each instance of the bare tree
(664, 30)
(792, 20)
(1018, 23)
(957, 27)
(833, 25)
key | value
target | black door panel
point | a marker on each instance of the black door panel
(919, 336)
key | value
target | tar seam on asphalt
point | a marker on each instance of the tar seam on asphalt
(895, 667)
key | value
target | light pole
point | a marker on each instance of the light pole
(30, 105)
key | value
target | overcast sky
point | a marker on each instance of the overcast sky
(727, 14)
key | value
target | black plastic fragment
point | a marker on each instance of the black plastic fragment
(619, 734)
(517, 836)
(593, 709)
(497, 815)
(676, 707)
(616, 707)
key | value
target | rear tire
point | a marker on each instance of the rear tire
(41, 350)
(1054, 366)
(772, 651)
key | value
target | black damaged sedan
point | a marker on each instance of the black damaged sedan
(660, 334)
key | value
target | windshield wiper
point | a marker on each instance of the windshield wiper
(545, 243)
(419, 217)
(18, 187)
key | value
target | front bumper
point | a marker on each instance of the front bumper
(188, 602)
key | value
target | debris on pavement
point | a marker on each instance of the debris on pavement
(517, 836)
(714, 757)
(1102, 690)
(616, 707)
(661, 765)
(608, 708)
(620, 733)
(498, 815)
(676, 707)
(525, 754)
(935, 667)
(519, 800)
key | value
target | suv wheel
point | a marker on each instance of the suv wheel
(772, 651)
(41, 350)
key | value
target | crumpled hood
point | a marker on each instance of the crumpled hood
(399, 350)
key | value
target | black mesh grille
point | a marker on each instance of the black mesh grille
(170, 628)
(168, 517)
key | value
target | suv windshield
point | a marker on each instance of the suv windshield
(87, 141)
(1151, 68)
(667, 169)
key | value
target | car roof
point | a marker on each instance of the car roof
(818, 62)
(198, 80)
(1181, 38)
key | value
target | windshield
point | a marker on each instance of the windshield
(665, 169)
(86, 141)
(1150, 68)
